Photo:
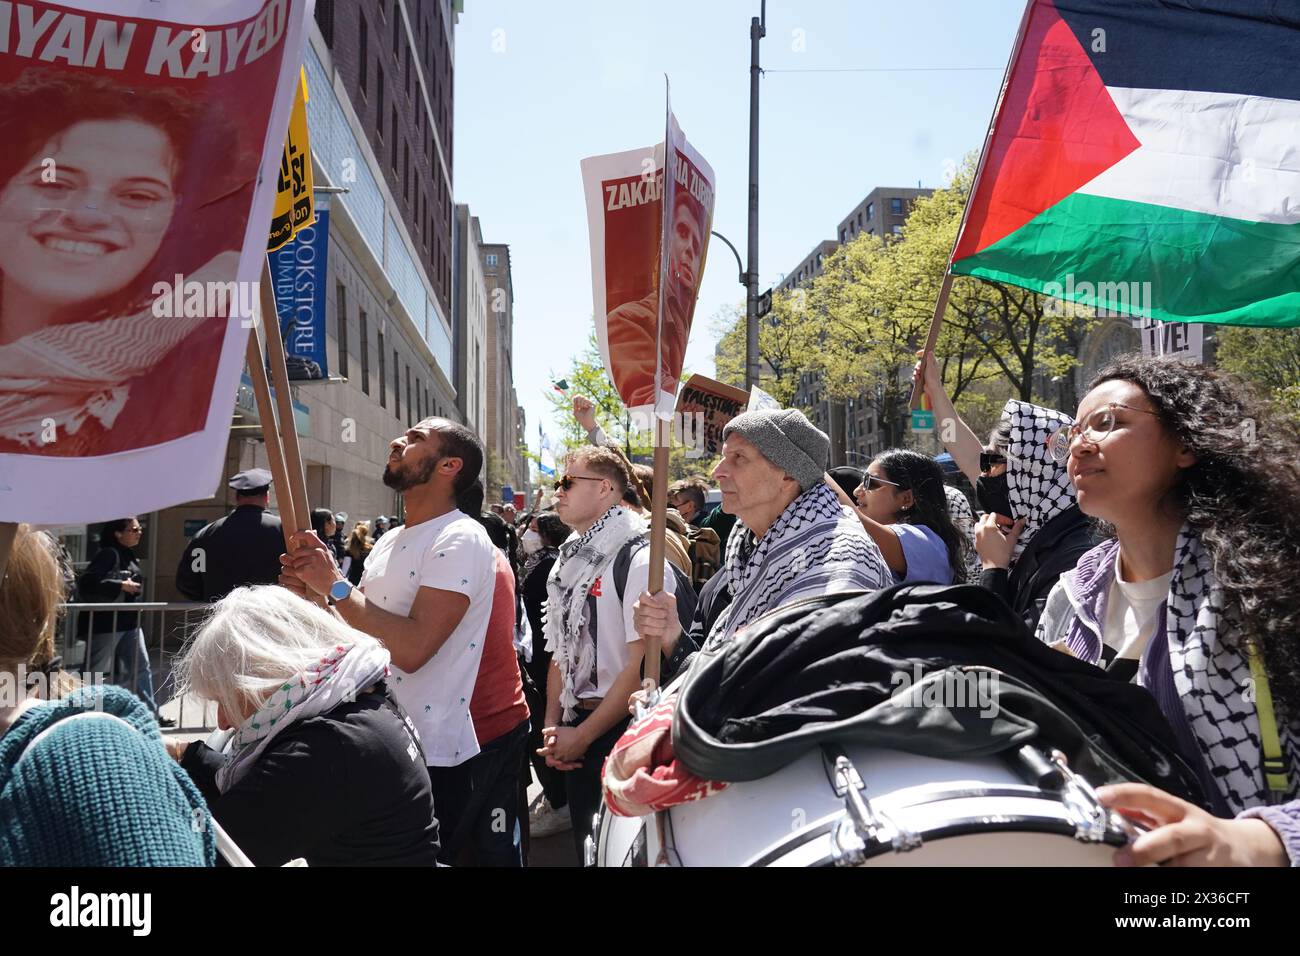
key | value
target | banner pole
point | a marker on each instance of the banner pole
(658, 532)
(296, 480)
(271, 434)
(8, 531)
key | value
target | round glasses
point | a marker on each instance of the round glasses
(1094, 429)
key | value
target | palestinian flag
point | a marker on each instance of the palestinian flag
(1148, 150)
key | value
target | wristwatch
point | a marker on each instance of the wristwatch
(339, 591)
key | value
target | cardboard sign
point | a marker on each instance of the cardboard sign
(710, 405)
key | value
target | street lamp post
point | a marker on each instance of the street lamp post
(757, 30)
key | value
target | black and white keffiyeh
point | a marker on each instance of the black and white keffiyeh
(1213, 681)
(1039, 487)
(582, 558)
(963, 517)
(814, 547)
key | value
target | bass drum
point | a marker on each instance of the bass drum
(913, 811)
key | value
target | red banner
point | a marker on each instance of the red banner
(647, 263)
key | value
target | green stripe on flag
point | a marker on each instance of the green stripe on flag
(1200, 267)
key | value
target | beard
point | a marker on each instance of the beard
(402, 479)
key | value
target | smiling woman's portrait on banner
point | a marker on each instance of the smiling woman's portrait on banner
(104, 192)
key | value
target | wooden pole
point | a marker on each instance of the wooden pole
(271, 434)
(658, 532)
(8, 531)
(295, 486)
(937, 322)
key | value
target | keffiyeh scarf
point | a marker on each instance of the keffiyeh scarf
(814, 547)
(337, 678)
(1039, 487)
(964, 520)
(75, 372)
(1214, 682)
(582, 559)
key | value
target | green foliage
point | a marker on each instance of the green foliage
(1268, 358)
(783, 341)
(586, 376)
(862, 321)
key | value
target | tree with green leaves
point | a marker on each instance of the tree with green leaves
(783, 342)
(870, 311)
(1268, 358)
(586, 376)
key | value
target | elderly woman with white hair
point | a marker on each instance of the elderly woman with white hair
(322, 762)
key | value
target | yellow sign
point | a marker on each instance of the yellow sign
(293, 202)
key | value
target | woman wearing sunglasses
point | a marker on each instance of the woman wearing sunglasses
(904, 508)
(1194, 598)
(1031, 530)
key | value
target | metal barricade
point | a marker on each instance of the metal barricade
(114, 642)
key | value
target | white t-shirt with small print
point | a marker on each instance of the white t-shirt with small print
(450, 553)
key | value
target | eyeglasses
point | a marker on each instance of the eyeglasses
(1094, 429)
(870, 481)
(566, 482)
(989, 459)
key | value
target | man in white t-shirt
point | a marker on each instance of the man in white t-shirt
(596, 653)
(426, 594)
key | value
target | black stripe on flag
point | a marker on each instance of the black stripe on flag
(1248, 47)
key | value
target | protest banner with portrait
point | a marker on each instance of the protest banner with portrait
(647, 264)
(143, 143)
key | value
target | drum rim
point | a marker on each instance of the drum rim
(1020, 822)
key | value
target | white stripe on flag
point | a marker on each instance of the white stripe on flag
(1217, 153)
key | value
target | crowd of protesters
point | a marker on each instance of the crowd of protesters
(390, 697)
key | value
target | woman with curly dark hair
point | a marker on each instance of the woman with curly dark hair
(1194, 598)
(903, 506)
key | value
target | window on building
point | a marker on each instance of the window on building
(871, 210)
(896, 206)
(383, 378)
(397, 29)
(325, 20)
(406, 55)
(363, 41)
(843, 235)
(365, 354)
(859, 221)
(342, 327)
(409, 409)
(490, 260)
(392, 130)
(397, 387)
(379, 97)
(896, 229)
(406, 171)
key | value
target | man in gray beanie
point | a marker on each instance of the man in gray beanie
(793, 538)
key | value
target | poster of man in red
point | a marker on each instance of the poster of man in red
(135, 191)
(645, 264)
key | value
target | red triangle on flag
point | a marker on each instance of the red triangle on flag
(1057, 129)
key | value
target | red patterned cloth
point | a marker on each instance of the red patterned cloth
(642, 775)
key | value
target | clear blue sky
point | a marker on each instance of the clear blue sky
(539, 86)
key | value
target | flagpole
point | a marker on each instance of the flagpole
(296, 481)
(945, 288)
(271, 435)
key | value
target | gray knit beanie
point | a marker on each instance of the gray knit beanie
(788, 440)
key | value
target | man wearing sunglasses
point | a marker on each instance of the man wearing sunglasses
(596, 652)
(1031, 530)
